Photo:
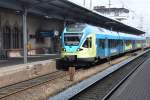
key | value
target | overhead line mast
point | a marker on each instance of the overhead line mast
(109, 5)
(84, 3)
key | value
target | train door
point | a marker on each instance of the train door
(106, 48)
(121, 46)
(88, 45)
(133, 44)
(101, 48)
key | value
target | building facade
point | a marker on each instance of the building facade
(11, 35)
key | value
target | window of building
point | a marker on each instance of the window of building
(12, 38)
(6, 37)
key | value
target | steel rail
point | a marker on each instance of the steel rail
(22, 86)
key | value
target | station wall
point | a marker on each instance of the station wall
(11, 36)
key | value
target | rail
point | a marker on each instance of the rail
(104, 88)
(83, 85)
(22, 86)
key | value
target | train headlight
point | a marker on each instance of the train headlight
(79, 49)
(63, 49)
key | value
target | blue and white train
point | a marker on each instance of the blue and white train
(83, 42)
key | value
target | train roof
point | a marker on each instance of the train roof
(100, 32)
(114, 35)
(130, 36)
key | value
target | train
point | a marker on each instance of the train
(88, 43)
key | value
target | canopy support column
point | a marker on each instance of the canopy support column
(24, 17)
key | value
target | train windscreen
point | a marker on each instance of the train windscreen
(72, 39)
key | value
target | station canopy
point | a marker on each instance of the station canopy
(67, 11)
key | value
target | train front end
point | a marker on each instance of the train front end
(77, 44)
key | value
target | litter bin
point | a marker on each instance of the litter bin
(3, 55)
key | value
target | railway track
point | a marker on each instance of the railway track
(22, 86)
(104, 88)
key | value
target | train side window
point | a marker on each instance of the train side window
(88, 43)
(109, 43)
(116, 43)
(120, 42)
(102, 43)
(112, 43)
(127, 42)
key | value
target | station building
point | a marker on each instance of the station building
(42, 32)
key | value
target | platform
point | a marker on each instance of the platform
(19, 60)
(15, 72)
(137, 87)
(52, 89)
(56, 86)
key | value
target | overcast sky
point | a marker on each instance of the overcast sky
(140, 7)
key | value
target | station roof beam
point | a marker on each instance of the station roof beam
(64, 9)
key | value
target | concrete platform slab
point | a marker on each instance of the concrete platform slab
(137, 87)
(33, 58)
(13, 74)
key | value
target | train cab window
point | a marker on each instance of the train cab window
(88, 43)
(72, 39)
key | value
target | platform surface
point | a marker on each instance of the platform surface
(16, 61)
(137, 87)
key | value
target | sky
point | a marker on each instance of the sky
(141, 8)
